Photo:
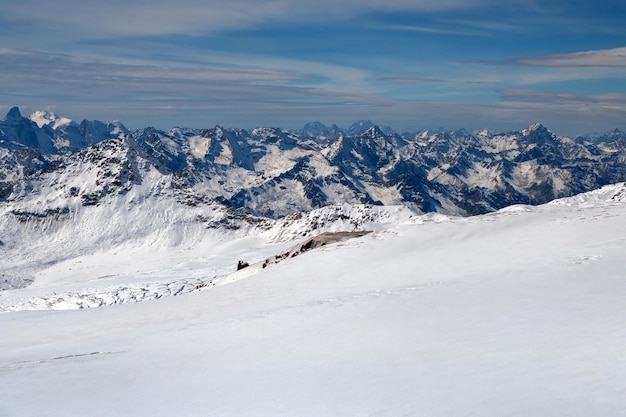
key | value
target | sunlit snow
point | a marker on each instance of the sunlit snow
(516, 313)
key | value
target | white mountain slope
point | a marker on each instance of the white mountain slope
(117, 252)
(516, 313)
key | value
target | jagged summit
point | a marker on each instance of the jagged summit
(43, 117)
(48, 118)
(373, 131)
(313, 130)
(359, 127)
(13, 115)
(322, 133)
(536, 126)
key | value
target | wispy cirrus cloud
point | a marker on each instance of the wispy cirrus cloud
(430, 29)
(411, 80)
(116, 18)
(566, 113)
(52, 68)
(615, 57)
(584, 66)
(233, 84)
(613, 100)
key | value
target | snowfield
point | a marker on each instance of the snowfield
(516, 313)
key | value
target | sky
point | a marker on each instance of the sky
(408, 64)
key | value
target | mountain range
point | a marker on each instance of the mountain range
(49, 164)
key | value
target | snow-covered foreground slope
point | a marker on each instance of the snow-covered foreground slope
(516, 313)
(122, 252)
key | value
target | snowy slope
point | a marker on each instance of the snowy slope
(123, 252)
(516, 313)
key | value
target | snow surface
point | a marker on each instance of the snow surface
(516, 313)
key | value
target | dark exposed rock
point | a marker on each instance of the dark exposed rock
(315, 242)
(57, 213)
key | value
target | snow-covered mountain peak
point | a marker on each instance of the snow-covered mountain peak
(116, 128)
(538, 134)
(617, 135)
(48, 118)
(484, 133)
(359, 127)
(314, 129)
(94, 131)
(425, 134)
(374, 132)
(43, 117)
(535, 127)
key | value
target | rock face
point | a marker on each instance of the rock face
(270, 172)
(314, 242)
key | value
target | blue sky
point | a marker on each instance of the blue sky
(412, 65)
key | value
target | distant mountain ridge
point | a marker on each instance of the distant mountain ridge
(51, 163)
